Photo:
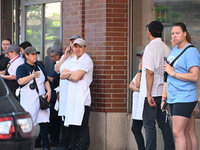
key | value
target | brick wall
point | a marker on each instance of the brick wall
(104, 25)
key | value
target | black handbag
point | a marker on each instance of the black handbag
(165, 73)
(44, 104)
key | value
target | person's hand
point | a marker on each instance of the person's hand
(169, 69)
(3, 72)
(36, 74)
(151, 101)
(68, 51)
(196, 109)
(163, 104)
(48, 95)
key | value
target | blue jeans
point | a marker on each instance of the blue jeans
(150, 115)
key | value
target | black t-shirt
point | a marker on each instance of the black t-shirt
(25, 70)
(3, 62)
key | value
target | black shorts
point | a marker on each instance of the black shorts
(182, 109)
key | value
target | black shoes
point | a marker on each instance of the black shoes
(38, 143)
(53, 144)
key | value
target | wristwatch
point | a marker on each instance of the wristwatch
(139, 70)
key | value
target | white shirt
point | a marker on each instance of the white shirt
(135, 103)
(153, 59)
(14, 64)
(79, 92)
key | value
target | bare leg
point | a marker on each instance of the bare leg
(192, 133)
(179, 127)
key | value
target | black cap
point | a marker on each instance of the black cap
(25, 44)
(74, 37)
(155, 28)
(12, 48)
(140, 54)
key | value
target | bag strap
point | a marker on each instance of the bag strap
(172, 63)
(36, 87)
(34, 81)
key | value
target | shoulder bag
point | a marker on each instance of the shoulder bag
(172, 63)
(44, 104)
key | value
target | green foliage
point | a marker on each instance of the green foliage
(165, 14)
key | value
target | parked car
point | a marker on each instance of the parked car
(16, 125)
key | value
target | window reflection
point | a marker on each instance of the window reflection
(33, 26)
(43, 32)
(52, 30)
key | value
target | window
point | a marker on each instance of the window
(42, 25)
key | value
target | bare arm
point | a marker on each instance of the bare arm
(133, 87)
(65, 74)
(149, 83)
(192, 75)
(48, 89)
(66, 55)
(9, 77)
(28, 78)
(139, 74)
(76, 75)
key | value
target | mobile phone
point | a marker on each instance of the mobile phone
(69, 51)
(165, 59)
(164, 106)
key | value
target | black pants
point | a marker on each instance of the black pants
(150, 116)
(55, 124)
(137, 132)
(76, 137)
(43, 135)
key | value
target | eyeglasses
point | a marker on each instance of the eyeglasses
(146, 29)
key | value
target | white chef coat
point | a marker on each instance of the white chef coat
(79, 92)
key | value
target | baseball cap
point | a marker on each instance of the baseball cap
(80, 42)
(25, 44)
(155, 28)
(74, 37)
(140, 53)
(12, 48)
(31, 50)
(56, 49)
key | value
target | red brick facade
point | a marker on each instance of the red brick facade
(104, 25)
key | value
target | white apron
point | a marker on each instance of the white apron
(79, 93)
(30, 102)
(63, 90)
(142, 95)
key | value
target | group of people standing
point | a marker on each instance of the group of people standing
(71, 74)
(181, 93)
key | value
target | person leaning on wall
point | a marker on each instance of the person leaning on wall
(137, 123)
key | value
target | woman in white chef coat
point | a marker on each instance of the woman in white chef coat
(29, 96)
